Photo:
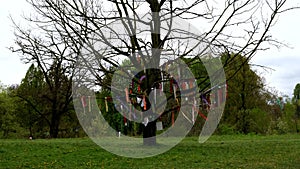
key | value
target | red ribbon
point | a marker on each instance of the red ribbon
(202, 115)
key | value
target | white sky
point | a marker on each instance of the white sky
(11, 69)
(285, 61)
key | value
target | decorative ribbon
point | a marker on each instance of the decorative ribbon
(173, 118)
(220, 96)
(191, 83)
(90, 108)
(162, 80)
(186, 85)
(174, 90)
(193, 110)
(204, 99)
(142, 78)
(202, 115)
(144, 102)
(125, 121)
(83, 101)
(127, 95)
(171, 85)
(183, 85)
(106, 105)
(154, 95)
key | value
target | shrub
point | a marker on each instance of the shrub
(278, 126)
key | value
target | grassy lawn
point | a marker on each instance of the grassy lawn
(218, 152)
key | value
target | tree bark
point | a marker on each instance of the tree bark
(54, 126)
(149, 134)
(149, 130)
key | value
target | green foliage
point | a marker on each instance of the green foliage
(28, 114)
(199, 71)
(44, 104)
(297, 92)
(224, 129)
(31, 104)
(286, 122)
(246, 103)
(259, 121)
(8, 124)
(296, 101)
(278, 126)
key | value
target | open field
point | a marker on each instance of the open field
(218, 152)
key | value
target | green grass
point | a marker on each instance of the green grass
(218, 152)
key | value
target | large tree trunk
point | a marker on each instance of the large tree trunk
(54, 126)
(149, 131)
(30, 131)
(53, 131)
(149, 134)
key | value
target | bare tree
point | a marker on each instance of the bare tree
(56, 61)
(152, 32)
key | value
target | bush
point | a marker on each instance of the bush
(278, 126)
(224, 129)
(259, 121)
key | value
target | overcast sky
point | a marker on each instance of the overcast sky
(285, 61)
(11, 68)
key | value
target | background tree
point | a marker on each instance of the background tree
(55, 63)
(296, 99)
(245, 92)
(289, 116)
(31, 112)
(86, 24)
(8, 124)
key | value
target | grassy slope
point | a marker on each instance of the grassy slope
(217, 152)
